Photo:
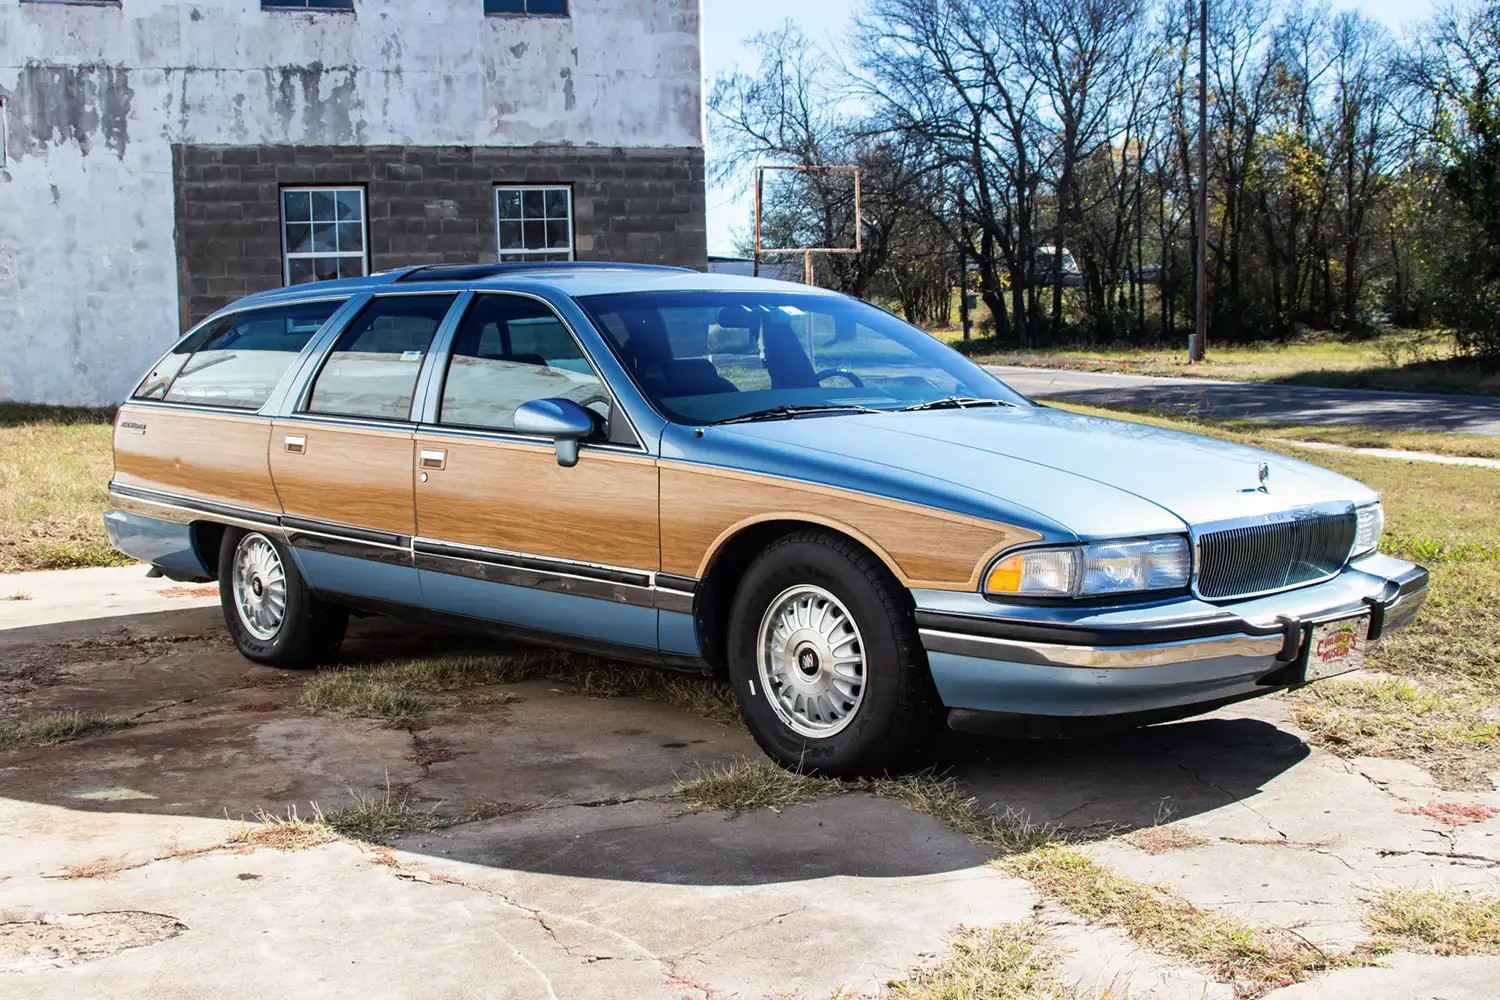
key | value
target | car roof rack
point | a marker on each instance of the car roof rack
(479, 272)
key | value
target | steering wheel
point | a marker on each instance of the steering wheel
(859, 383)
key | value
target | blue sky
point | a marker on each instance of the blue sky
(727, 23)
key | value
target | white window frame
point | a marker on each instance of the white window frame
(514, 256)
(287, 256)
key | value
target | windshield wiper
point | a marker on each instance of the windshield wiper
(788, 412)
(953, 403)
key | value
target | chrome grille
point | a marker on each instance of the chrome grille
(1262, 558)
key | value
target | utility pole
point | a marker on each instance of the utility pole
(760, 189)
(1198, 344)
(963, 262)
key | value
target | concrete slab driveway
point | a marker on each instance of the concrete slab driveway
(559, 864)
(1263, 401)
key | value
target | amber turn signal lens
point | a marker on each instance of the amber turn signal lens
(1005, 578)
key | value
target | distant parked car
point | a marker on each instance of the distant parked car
(865, 532)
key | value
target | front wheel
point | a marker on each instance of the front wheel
(824, 657)
(271, 614)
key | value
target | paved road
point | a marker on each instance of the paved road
(1261, 401)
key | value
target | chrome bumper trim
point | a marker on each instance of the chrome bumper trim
(1101, 657)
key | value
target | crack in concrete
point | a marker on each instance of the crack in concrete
(1234, 799)
(703, 946)
(1485, 862)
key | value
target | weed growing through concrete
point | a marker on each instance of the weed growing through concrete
(1009, 962)
(1161, 839)
(1444, 921)
(19, 595)
(946, 801)
(403, 689)
(1253, 960)
(285, 833)
(1453, 813)
(375, 818)
(101, 868)
(1449, 729)
(747, 785)
(57, 727)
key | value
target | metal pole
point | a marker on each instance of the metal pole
(760, 179)
(1199, 345)
(963, 262)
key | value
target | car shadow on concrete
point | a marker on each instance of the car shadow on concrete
(553, 781)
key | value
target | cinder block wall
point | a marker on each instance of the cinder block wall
(432, 205)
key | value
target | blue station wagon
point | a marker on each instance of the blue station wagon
(864, 532)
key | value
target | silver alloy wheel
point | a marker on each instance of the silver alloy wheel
(811, 661)
(259, 586)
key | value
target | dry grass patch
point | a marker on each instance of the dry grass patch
(1009, 962)
(57, 727)
(1253, 960)
(400, 689)
(1161, 839)
(1444, 921)
(945, 800)
(55, 465)
(285, 833)
(1451, 730)
(748, 785)
(101, 868)
(375, 818)
(1453, 813)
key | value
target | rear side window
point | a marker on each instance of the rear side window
(373, 369)
(236, 361)
(510, 351)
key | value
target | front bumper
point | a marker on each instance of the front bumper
(1151, 661)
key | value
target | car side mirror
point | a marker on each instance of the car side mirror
(562, 420)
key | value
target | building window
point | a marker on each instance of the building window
(4, 134)
(534, 223)
(324, 234)
(306, 4)
(543, 8)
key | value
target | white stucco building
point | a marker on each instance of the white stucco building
(164, 157)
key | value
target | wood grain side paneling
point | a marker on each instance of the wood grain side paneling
(203, 454)
(349, 474)
(514, 496)
(702, 507)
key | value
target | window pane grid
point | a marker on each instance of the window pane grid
(534, 223)
(324, 234)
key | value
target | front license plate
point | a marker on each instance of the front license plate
(1337, 647)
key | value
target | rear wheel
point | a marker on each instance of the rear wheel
(271, 614)
(824, 658)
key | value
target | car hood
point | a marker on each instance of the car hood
(1039, 467)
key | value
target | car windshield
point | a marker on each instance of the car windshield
(708, 357)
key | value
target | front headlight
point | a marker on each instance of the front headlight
(1371, 526)
(1094, 570)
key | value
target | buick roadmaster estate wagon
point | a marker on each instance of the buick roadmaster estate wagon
(867, 534)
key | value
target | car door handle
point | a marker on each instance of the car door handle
(432, 459)
(296, 444)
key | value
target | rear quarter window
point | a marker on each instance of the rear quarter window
(236, 361)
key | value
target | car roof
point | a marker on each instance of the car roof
(576, 279)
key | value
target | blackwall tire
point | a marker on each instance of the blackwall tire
(825, 660)
(271, 614)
